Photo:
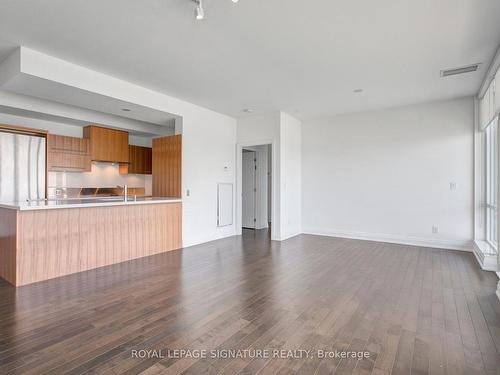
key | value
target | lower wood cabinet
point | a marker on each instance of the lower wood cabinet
(43, 244)
(68, 154)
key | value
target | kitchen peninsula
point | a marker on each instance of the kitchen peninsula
(48, 239)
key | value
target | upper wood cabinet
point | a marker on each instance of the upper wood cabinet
(167, 166)
(68, 154)
(140, 161)
(107, 144)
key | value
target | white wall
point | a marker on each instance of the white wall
(291, 176)
(208, 158)
(259, 128)
(385, 175)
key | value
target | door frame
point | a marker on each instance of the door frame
(275, 178)
(254, 189)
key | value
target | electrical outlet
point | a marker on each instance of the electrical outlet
(435, 229)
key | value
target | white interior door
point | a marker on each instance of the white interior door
(248, 189)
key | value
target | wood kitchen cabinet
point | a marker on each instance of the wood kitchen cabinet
(167, 166)
(107, 144)
(68, 154)
(140, 161)
(42, 244)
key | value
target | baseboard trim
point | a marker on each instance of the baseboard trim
(290, 235)
(396, 239)
(208, 239)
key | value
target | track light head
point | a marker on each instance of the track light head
(199, 12)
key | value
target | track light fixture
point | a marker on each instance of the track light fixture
(199, 11)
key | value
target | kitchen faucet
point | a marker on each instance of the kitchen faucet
(125, 192)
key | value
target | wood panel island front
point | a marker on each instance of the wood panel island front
(49, 239)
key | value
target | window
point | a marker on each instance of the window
(492, 183)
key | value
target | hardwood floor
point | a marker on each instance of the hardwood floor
(415, 310)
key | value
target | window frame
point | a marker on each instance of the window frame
(492, 180)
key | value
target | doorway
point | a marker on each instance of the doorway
(256, 187)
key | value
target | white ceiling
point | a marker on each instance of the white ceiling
(305, 57)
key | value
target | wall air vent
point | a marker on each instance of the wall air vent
(461, 70)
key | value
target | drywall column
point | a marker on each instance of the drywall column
(291, 175)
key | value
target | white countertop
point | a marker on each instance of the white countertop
(51, 204)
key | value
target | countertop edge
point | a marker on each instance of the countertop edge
(88, 205)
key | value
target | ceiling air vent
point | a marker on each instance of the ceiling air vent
(462, 70)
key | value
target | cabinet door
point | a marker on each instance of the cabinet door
(107, 144)
(68, 154)
(68, 144)
(137, 162)
(140, 160)
(148, 160)
(167, 166)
